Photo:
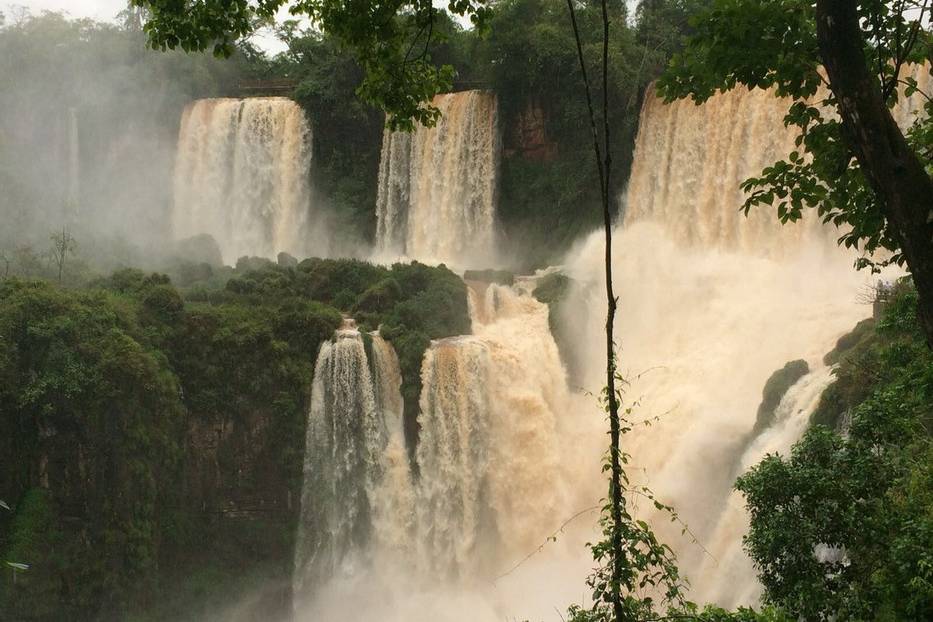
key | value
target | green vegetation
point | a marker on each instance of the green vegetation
(775, 388)
(864, 329)
(153, 437)
(843, 527)
(391, 41)
(411, 304)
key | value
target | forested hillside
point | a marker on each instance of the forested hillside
(153, 436)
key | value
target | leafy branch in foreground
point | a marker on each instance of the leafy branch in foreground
(390, 39)
(647, 577)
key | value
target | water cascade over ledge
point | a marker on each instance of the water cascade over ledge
(712, 303)
(437, 186)
(354, 427)
(489, 462)
(242, 176)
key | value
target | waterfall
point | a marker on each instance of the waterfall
(354, 413)
(489, 457)
(489, 452)
(241, 175)
(74, 166)
(453, 453)
(725, 578)
(394, 503)
(711, 303)
(437, 186)
(689, 161)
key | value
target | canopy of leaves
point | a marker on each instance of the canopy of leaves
(390, 39)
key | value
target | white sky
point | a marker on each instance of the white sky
(106, 10)
(102, 10)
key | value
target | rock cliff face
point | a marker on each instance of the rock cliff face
(229, 473)
(529, 137)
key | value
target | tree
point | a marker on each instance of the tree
(899, 179)
(63, 245)
(612, 592)
(853, 164)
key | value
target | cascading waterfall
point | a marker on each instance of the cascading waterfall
(489, 460)
(394, 503)
(689, 161)
(489, 451)
(712, 303)
(437, 186)
(725, 578)
(347, 435)
(241, 175)
(453, 453)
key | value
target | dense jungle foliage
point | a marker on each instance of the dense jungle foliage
(152, 436)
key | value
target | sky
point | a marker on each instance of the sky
(103, 10)
(106, 10)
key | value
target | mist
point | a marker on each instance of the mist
(88, 133)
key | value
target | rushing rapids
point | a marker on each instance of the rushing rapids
(712, 302)
(241, 175)
(437, 185)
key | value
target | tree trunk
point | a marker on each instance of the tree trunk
(604, 165)
(895, 173)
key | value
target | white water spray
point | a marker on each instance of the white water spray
(346, 436)
(490, 486)
(712, 303)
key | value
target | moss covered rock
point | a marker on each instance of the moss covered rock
(775, 389)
